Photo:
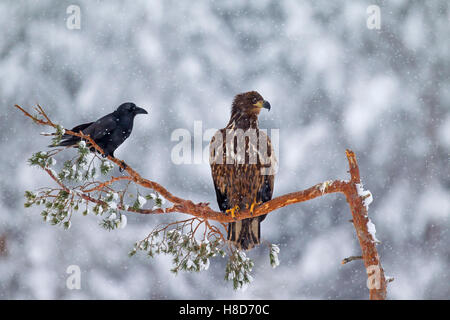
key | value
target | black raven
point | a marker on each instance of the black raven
(108, 132)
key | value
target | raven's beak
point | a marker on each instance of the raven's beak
(266, 105)
(140, 110)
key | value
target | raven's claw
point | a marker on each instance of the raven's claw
(123, 166)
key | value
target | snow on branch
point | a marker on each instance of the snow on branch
(189, 254)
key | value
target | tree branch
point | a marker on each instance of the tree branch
(351, 189)
(361, 222)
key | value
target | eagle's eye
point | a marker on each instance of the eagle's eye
(254, 100)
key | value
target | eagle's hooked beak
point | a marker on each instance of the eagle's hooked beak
(140, 111)
(266, 105)
(263, 104)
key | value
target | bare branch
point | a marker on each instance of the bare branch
(352, 258)
(203, 213)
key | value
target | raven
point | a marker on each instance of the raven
(108, 132)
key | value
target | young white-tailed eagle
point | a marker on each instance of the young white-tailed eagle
(242, 166)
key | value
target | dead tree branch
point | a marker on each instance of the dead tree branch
(351, 189)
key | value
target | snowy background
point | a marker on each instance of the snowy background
(333, 84)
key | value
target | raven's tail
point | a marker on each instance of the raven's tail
(245, 234)
(72, 140)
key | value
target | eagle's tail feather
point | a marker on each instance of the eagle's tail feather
(245, 234)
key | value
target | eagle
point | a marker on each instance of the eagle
(242, 167)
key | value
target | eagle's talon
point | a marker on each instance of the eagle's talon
(232, 211)
(252, 207)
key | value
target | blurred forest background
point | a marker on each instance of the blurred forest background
(333, 84)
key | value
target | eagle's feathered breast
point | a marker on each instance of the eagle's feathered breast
(241, 163)
(243, 166)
